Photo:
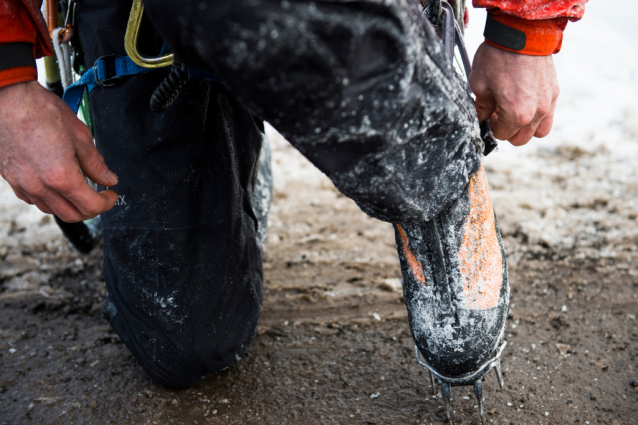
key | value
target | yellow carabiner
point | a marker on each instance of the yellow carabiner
(130, 41)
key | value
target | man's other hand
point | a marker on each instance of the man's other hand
(43, 147)
(517, 92)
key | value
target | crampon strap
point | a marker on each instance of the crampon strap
(106, 72)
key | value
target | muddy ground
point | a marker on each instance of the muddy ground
(334, 344)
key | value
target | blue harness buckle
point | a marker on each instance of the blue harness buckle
(105, 71)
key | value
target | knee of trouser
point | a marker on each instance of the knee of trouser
(183, 360)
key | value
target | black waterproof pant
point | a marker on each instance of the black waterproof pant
(361, 88)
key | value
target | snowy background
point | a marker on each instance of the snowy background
(574, 191)
(576, 188)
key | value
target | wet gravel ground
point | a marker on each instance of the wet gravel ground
(333, 345)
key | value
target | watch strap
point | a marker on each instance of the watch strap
(529, 37)
(14, 55)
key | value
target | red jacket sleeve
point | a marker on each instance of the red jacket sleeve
(541, 21)
(536, 9)
(22, 22)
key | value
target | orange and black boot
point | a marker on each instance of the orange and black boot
(456, 290)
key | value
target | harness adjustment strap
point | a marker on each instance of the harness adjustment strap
(108, 70)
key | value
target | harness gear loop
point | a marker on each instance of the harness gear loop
(130, 41)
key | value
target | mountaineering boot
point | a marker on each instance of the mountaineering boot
(456, 289)
(83, 236)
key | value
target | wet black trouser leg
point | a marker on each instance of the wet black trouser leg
(359, 87)
(181, 261)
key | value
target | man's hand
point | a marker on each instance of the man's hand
(517, 92)
(43, 146)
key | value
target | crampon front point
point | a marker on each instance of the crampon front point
(475, 379)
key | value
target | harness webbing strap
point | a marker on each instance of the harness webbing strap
(107, 70)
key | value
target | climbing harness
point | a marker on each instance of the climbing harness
(105, 72)
(108, 70)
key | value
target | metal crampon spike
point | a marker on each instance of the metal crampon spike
(445, 393)
(478, 391)
(475, 378)
(432, 387)
(499, 374)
